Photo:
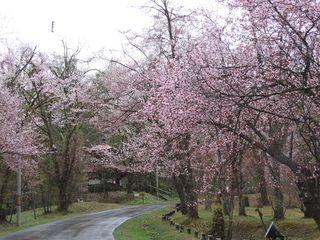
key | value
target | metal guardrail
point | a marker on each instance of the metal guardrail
(160, 190)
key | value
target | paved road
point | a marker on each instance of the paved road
(94, 226)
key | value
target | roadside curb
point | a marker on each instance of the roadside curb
(183, 229)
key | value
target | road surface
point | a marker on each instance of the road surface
(94, 226)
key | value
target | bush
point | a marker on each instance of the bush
(217, 229)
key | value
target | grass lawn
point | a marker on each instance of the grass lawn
(150, 226)
(294, 226)
(147, 227)
(27, 219)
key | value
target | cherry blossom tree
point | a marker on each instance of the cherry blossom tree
(52, 91)
(254, 78)
(276, 67)
(251, 84)
(17, 139)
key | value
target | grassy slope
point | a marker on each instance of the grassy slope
(149, 226)
(294, 226)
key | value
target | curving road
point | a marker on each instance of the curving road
(94, 226)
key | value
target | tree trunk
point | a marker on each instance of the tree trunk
(43, 200)
(260, 168)
(117, 180)
(193, 211)
(225, 205)
(180, 190)
(242, 204)
(185, 186)
(277, 193)
(278, 204)
(307, 210)
(264, 192)
(230, 215)
(34, 205)
(63, 198)
(2, 192)
(192, 204)
(190, 196)
(263, 186)
(309, 194)
(130, 183)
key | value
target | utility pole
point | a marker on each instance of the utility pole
(18, 197)
(157, 180)
(52, 26)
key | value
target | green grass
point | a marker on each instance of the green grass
(150, 226)
(27, 219)
(149, 199)
(147, 227)
(294, 226)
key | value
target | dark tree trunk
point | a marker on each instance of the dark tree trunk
(63, 198)
(242, 204)
(180, 190)
(263, 187)
(278, 205)
(260, 173)
(225, 205)
(190, 196)
(218, 199)
(34, 205)
(264, 192)
(187, 180)
(192, 201)
(130, 183)
(2, 193)
(117, 180)
(309, 194)
(230, 215)
(307, 210)
(193, 211)
(44, 201)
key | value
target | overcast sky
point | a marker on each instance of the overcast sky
(92, 24)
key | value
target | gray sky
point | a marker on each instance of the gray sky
(92, 24)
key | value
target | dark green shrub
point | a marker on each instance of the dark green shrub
(217, 229)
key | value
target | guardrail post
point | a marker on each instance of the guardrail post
(177, 226)
(203, 236)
